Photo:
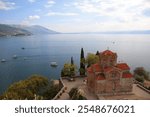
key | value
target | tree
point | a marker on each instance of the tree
(72, 92)
(26, 89)
(82, 62)
(72, 61)
(77, 94)
(51, 91)
(72, 67)
(91, 59)
(97, 53)
(139, 78)
(141, 72)
(34, 87)
(68, 70)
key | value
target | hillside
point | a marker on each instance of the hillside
(7, 30)
(36, 29)
(18, 30)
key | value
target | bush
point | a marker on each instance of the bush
(139, 78)
(82, 71)
(75, 94)
(72, 92)
(35, 87)
(68, 70)
(51, 91)
(140, 71)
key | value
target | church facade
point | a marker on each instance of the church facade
(107, 77)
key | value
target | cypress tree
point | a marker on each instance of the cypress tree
(72, 69)
(72, 61)
(97, 53)
(82, 62)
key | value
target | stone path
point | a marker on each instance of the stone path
(79, 84)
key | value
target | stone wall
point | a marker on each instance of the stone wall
(91, 82)
(121, 85)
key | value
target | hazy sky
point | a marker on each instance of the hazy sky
(78, 15)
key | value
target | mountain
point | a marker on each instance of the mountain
(36, 29)
(22, 30)
(40, 30)
(7, 30)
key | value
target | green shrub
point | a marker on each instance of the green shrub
(140, 71)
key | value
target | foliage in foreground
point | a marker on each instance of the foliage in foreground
(141, 74)
(77, 94)
(34, 87)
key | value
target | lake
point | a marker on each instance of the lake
(40, 50)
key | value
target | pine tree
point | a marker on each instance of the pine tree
(82, 62)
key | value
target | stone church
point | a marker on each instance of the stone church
(109, 77)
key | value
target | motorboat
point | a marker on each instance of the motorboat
(3, 60)
(54, 64)
(14, 56)
(25, 58)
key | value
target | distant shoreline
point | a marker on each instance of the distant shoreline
(113, 32)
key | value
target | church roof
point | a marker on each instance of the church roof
(108, 52)
(123, 66)
(107, 69)
(96, 67)
(127, 75)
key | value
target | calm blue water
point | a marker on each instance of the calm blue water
(41, 50)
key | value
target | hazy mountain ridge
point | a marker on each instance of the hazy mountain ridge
(22, 30)
(7, 30)
(36, 29)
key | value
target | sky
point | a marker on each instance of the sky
(78, 15)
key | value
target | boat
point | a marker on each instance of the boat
(25, 58)
(14, 56)
(22, 48)
(3, 60)
(54, 64)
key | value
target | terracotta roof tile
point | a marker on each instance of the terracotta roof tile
(123, 66)
(107, 52)
(96, 67)
(127, 75)
(107, 69)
